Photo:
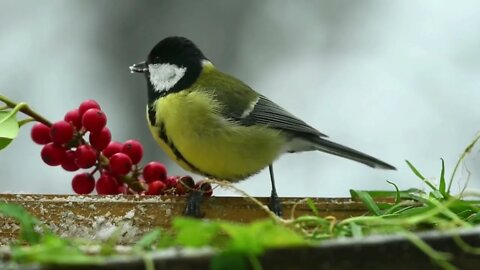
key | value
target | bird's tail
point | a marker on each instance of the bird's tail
(346, 152)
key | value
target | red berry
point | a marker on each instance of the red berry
(61, 132)
(73, 117)
(68, 163)
(171, 181)
(134, 150)
(41, 133)
(155, 188)
(94, 120)
(184, 185)
(86, 105)
(83, 183)
(107, 185)
(120, 164)
(101, 139)
(154, 171)
(112, 148)
(122, 189)
(205, 188)
(53, 154)
(85, 156)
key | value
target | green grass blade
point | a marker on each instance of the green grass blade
(414, 170)
(312, 206)
(442, 186)
(397, 197)
(419, 175)
(367, 200)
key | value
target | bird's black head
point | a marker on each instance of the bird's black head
(172, 65)
(179, 51)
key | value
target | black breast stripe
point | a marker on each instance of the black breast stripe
(163, 135)
(151, 115)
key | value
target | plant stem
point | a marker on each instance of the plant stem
(133, 183)
(467, 151)
(24, 108)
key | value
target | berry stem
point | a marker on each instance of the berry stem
(96, 169)
(133, 184)
(24, 108)
(103, 160)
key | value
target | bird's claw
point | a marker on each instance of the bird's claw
(275, 206)
(193, 205)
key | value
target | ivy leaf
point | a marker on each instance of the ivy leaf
(8, 128)
(255, 237)
(194, 232)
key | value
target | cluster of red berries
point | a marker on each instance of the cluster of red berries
(117, 164)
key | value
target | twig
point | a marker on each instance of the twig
(24, 108)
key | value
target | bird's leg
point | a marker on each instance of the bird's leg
(193, 204)
(274, 205)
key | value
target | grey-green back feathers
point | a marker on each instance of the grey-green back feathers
(176, 64)
(246, 107)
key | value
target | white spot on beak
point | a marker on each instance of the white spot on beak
(165, 76)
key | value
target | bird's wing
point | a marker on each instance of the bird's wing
(266, 112)
(245, 106)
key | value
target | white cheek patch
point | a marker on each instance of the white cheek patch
(165, 76)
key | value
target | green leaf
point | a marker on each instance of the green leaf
(8, 128)
(194, 232)
(27, 221)
(312, 221)
(367, 200)
(442, 186)
(419, 175)
(416, 211)
(312, 206)
(397, 195)
(387, 193)
(242, 238)
(436, 194)
(255, 237)
(52, 250)
(356, 230)
(414, 170)
(147, 241)
(474, 218)
(4, 142)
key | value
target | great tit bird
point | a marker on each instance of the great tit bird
(215, 125)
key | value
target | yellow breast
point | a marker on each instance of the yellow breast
(214, 145)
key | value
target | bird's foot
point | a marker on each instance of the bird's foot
(193, 204)
(275, 206)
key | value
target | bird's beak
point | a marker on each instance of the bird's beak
(138, 68)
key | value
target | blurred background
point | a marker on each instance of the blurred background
(396, 79)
